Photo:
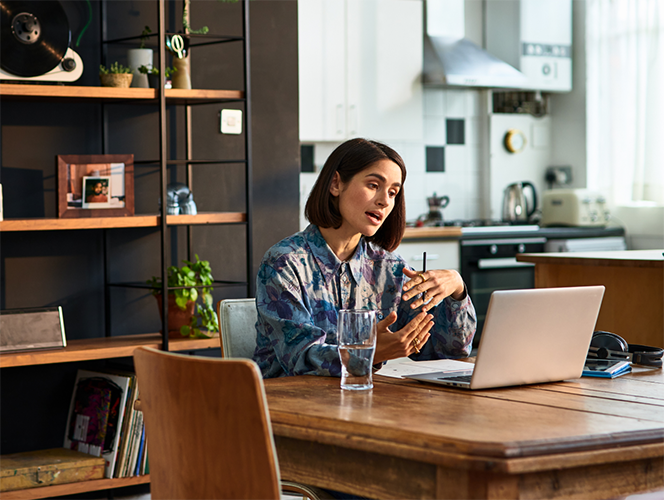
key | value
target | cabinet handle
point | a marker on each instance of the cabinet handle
(340, 118)
(430, 256)
(502, 263)
(352, 119)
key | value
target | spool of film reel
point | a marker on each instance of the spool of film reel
(34, 36)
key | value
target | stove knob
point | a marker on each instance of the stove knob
(521, 248)
(493, 249)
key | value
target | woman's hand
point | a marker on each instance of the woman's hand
(404, 342)
(435, 285)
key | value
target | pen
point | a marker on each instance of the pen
(424, 262)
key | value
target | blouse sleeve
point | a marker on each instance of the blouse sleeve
(287, 331)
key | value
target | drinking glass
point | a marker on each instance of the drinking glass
(357, 345)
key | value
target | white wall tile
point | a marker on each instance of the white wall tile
(455, 159)
(433, 102)
(434, 131)
(455, 103)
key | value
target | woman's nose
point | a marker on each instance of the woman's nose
(383, 199)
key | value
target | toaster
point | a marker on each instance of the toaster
(573, 207)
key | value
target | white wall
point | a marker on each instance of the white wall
(568, 110)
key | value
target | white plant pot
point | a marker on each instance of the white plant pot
(135, 59)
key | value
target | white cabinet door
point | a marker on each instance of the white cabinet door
(360, 63)
(322, 69)
(440, 254)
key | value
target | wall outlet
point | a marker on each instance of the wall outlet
(231, 121)
(558, 176)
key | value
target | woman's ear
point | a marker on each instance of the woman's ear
(335, 185)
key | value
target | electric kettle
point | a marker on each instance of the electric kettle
(515, 204)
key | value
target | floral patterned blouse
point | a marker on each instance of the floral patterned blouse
(301, 285)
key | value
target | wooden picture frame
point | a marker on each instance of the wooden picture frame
(71, 169)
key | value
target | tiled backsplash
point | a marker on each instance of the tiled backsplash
(476, 166)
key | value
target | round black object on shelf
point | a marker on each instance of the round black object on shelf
(34, 36)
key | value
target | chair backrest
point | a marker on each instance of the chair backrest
(237, 320)
(207, 427)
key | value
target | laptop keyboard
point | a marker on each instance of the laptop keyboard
(458, 378)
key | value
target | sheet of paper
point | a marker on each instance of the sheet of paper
(398, 368)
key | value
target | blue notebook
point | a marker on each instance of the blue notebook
(606, 368)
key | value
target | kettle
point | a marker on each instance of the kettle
(515, 204)
(435, 215)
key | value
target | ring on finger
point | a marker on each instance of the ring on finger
(415, 343)
(422, 276)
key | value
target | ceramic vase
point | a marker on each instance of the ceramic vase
(137, 58)
(182, 77)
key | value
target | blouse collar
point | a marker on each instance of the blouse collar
(327, 261)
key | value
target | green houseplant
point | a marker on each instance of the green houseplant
(153, 75)
(116, 75)
(189, 278)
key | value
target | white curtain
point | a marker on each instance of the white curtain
(625, 99)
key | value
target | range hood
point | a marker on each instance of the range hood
(451, 60)
(458, 62)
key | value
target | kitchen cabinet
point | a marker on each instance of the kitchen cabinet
(440, 254)
(359, 69)
(632, 303)
(109, 240)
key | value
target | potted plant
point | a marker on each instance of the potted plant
(141, 56)
(116, 75)
(152, 75)
(182, 301)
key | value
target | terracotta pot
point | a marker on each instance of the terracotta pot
(176, 316)
(122, 80)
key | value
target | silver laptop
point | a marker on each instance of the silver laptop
(530, 336)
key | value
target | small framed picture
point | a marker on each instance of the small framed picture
(96, 192)
(81, 176)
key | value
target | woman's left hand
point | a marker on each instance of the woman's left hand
(434, 286)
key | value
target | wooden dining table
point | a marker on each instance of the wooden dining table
(585, 438)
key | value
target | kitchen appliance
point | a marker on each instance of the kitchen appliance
(488, 263)
(515, 204)
(451, 59)
(535, 37)
(574, 207)
(435, 215)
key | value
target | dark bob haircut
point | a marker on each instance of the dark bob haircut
(349, 159)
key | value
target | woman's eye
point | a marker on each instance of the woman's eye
(373, 185)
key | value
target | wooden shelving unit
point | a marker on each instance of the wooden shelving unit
(120, 346)
(121, 222)
(68, 94)
(74, 488)
(103, 348)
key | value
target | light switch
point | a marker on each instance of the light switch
(231, 121)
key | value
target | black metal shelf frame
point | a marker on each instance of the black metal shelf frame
(189, 161)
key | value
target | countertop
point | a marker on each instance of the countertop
(454, 232)
(627, 258)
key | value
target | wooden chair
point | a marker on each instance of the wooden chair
(208, 428)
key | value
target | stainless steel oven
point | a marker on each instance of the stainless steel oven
(489, 264)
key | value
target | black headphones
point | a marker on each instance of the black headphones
(607, 345)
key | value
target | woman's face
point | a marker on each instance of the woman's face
(368, 198)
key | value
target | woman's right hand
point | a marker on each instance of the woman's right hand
(399, 344)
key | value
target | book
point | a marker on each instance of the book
(125, 433)
(606, 368)
(96, 414)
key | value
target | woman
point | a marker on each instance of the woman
(344, 260)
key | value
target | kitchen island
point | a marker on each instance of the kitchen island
(633, 305)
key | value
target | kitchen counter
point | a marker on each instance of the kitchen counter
(634, 281)
(424, 233)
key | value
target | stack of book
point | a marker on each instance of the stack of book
(102, 422)
(606, 368)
